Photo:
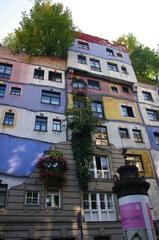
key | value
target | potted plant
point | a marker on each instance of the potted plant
(53, 167)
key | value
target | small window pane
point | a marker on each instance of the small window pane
(2, 90)
(32, 198)
(56, 125)
(123, 133)
(15, 91)
(5, 70)
(137, 136)
(41, 123)
(112, 67)
(9, 119)
(55, 76)
(83, 45)
(50, 97)
(38, 74)
(110, 52)
(147, 96)
(81, 59)
(95, 65)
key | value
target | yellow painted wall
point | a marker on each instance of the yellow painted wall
(146, 159)
(112, 109)
(70, 100)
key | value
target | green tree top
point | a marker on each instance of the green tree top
(144, 60)
(46, 30)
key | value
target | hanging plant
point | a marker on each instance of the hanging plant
(53, 167)
(81, 122)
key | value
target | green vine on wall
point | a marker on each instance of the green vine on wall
(81, 122)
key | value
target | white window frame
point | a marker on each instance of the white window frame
(53, 194)
(100, 173)
(98, 213)
(38, 198)
(125, 105)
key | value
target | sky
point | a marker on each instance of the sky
(108, 19)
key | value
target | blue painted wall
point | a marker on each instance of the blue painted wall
(151, 131)
(98, 50)
(31, 98)
(18, 156)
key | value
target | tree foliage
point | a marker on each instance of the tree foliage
(144, 60)
(46, 30)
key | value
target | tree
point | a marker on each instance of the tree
(46, 30)
(144, 60)
(129, 40)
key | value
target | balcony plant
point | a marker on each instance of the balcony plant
(53, 167)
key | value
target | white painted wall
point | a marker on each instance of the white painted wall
(72, 62)
(151, 89)
(25, 123)
(143, 108)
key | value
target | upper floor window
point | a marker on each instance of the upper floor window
(81, 59)
(95, 64)
(134, 160)
(83, 45)
(3, 194)
(99, 167)
(2, 90)
(41, 123)
(78, 84)
(97, 109)
(53, 199)
(32, 198)
(147, 96)
(8, 119)
(50, 97)
(55, 76)
(101, 136)
(114, 89)
(123, 132)
(156, 134)
(127, 111)
(5, 70)
(38, 74)
(93, 84)
(110, 52)
(15, 91)
(112, 67)
(137, 136)
(125, 89)
(119, 55)
(99, 207)
(124, 70)
(153, 115)
(56, 125)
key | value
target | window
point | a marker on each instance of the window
(127, 111)
(112, 67)
(97, 109)
(134, 160)
(147, 96)
(50, 97)
(3, 194)
(78, 84)
(79, 104)
(125, 89)
(156, 134)
(114, 89)
(55, 76)
(83, 45)
(8, 119)
(137, 136)
(15, 91)
(153, 115)
(32, 198)
(39, 74)
(101, 136)
(93, 84)
(124, 70)
(109, 52)
(95, 64)
(2, 90)
(41, 123)
(53, 199)
(119, 55)
(56, 125)
(123, 132)
(99, 207)
(81, 59)
(5, 70)
(99, 167)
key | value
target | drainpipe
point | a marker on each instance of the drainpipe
(135, 213)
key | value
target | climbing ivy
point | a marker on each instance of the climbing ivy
(81, 122)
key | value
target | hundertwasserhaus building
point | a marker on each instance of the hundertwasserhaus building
(35, 93)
